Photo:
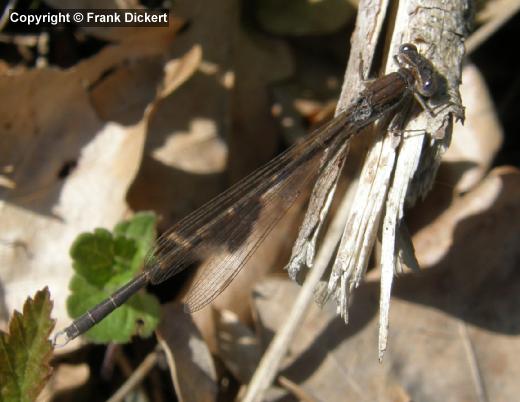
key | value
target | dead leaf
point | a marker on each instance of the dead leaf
(453, 329)
(237, 345)
(476, 143)
(484, 215)
(187, 148)
(70, 168)
(190, 362)
(190, 122)
(258, 63)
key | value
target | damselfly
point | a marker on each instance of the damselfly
(222, 235)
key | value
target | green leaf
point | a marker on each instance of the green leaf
(103, 263)
(141, 228)
(93, 256)
(138, 316)
(26, 351)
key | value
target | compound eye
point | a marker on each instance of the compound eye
(408, 48)
(428, 88)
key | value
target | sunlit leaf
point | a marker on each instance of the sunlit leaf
(25, 351)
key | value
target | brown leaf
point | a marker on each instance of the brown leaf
(454, 329)
(71, 145)
(258, 63)
(237, 345)
(476, 143)
(192, 121)
(482, 218)
(187, 147)
(189, 359)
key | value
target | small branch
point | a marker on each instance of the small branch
(476, 375)
(136, 378)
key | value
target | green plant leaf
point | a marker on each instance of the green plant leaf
(141, 228)
(25, 351)
(104, 262)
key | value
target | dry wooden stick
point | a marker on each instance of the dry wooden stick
(136, 378)
(440, 28)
